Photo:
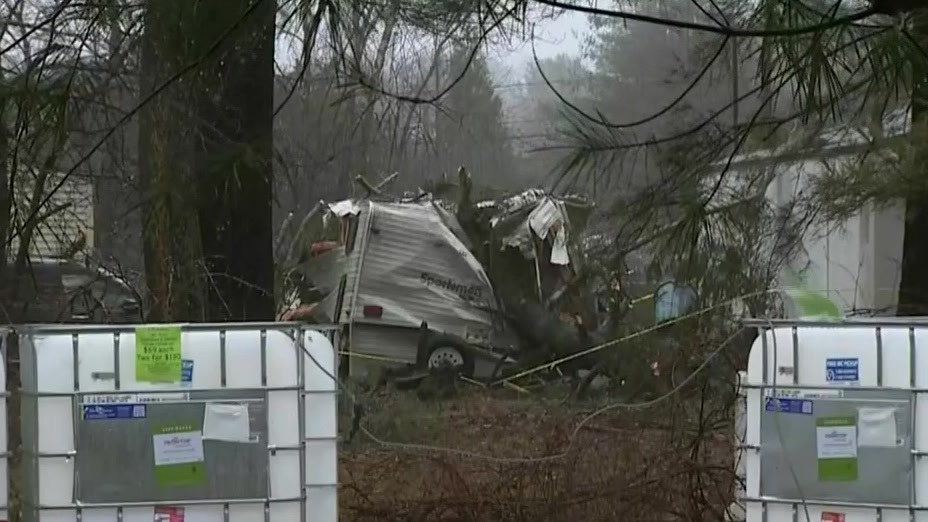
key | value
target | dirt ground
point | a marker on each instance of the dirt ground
(490, 456)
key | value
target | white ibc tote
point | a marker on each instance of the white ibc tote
(836, 422)
(247, 433)
(4, 452)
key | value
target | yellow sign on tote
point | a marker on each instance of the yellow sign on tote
(158, 354)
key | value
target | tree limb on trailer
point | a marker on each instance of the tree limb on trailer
(374, 189)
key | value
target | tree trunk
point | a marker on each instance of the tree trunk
(169, 192)
(234, 168)
(6, 196)
(913, 284)
(108, 214)
(205, 159)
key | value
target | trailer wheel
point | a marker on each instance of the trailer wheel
(444, 355)
(439, 350)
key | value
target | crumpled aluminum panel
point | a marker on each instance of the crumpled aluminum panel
(416, 269)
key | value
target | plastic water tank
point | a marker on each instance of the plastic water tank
(179, 423)
(4, 448)
(837, 422)
(673, 300)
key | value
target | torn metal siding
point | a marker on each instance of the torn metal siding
(514, 203)
(548, 218)
(413, 266)
(355, 260)
(517, 220)
(327, 269)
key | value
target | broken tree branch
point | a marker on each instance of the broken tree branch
(377, 189)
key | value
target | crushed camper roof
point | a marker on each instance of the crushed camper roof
(513, 203)
(527, 198)
(507, 205)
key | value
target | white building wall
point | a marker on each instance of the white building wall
(75, 217)
(857, 263)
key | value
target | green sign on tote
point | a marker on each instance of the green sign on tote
(836, 445)
(158, 354)
(179, 458)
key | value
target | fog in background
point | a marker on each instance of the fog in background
(415, 98)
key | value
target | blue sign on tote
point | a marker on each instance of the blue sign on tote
(782, 405)
(114, 411)
(842, 370)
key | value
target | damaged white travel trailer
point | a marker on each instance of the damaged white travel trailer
(399, 264)
(407, 263)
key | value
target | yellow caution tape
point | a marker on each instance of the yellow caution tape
(552, 364)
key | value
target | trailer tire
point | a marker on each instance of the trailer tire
(445, 350)
(435, 350)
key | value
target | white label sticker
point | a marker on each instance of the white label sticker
(164, 397)
(799, 393)
(178, 448)
(836, 442)
(227, 422)
(110, 398)
(876, 427)
(134, 398)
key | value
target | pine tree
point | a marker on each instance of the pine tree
(205, 159)
(471, 131)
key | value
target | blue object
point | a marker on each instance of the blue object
(800, 406)
(186, 373)
(672, 301)
(842, 370)
(114, 411)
